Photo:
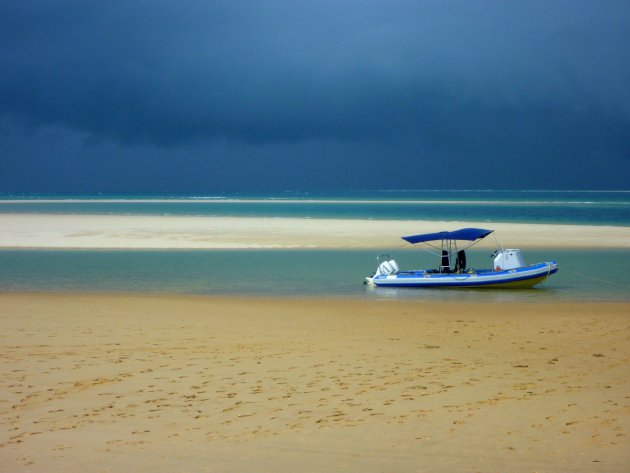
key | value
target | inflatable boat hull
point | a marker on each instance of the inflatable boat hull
(524, 277)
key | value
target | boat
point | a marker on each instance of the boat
(509, 269)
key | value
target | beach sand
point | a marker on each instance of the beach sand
(200, 384)
(132, 231)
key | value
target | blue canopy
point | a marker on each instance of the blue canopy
(469, 234)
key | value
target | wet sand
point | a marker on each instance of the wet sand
(170, 383)
(172, 232)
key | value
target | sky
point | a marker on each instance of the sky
(272, 96)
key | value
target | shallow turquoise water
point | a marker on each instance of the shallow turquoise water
(585, 275)
(592, 208)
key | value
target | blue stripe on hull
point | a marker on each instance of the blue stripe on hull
(542, 271)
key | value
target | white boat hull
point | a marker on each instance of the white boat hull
(527, 276)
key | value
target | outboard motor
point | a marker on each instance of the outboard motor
(387, 267)
(508, 259)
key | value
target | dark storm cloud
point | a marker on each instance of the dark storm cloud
(460, 79)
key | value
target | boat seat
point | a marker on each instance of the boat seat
(460, 262)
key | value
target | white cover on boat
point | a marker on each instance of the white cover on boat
(509, 259)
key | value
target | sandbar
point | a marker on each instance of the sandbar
(214, 384)
(25, 230)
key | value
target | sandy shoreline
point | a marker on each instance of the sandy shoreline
(173, 232)
(167, 383)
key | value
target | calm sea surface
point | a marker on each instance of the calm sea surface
(600, 275)
(578, 207)
(584, 275)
